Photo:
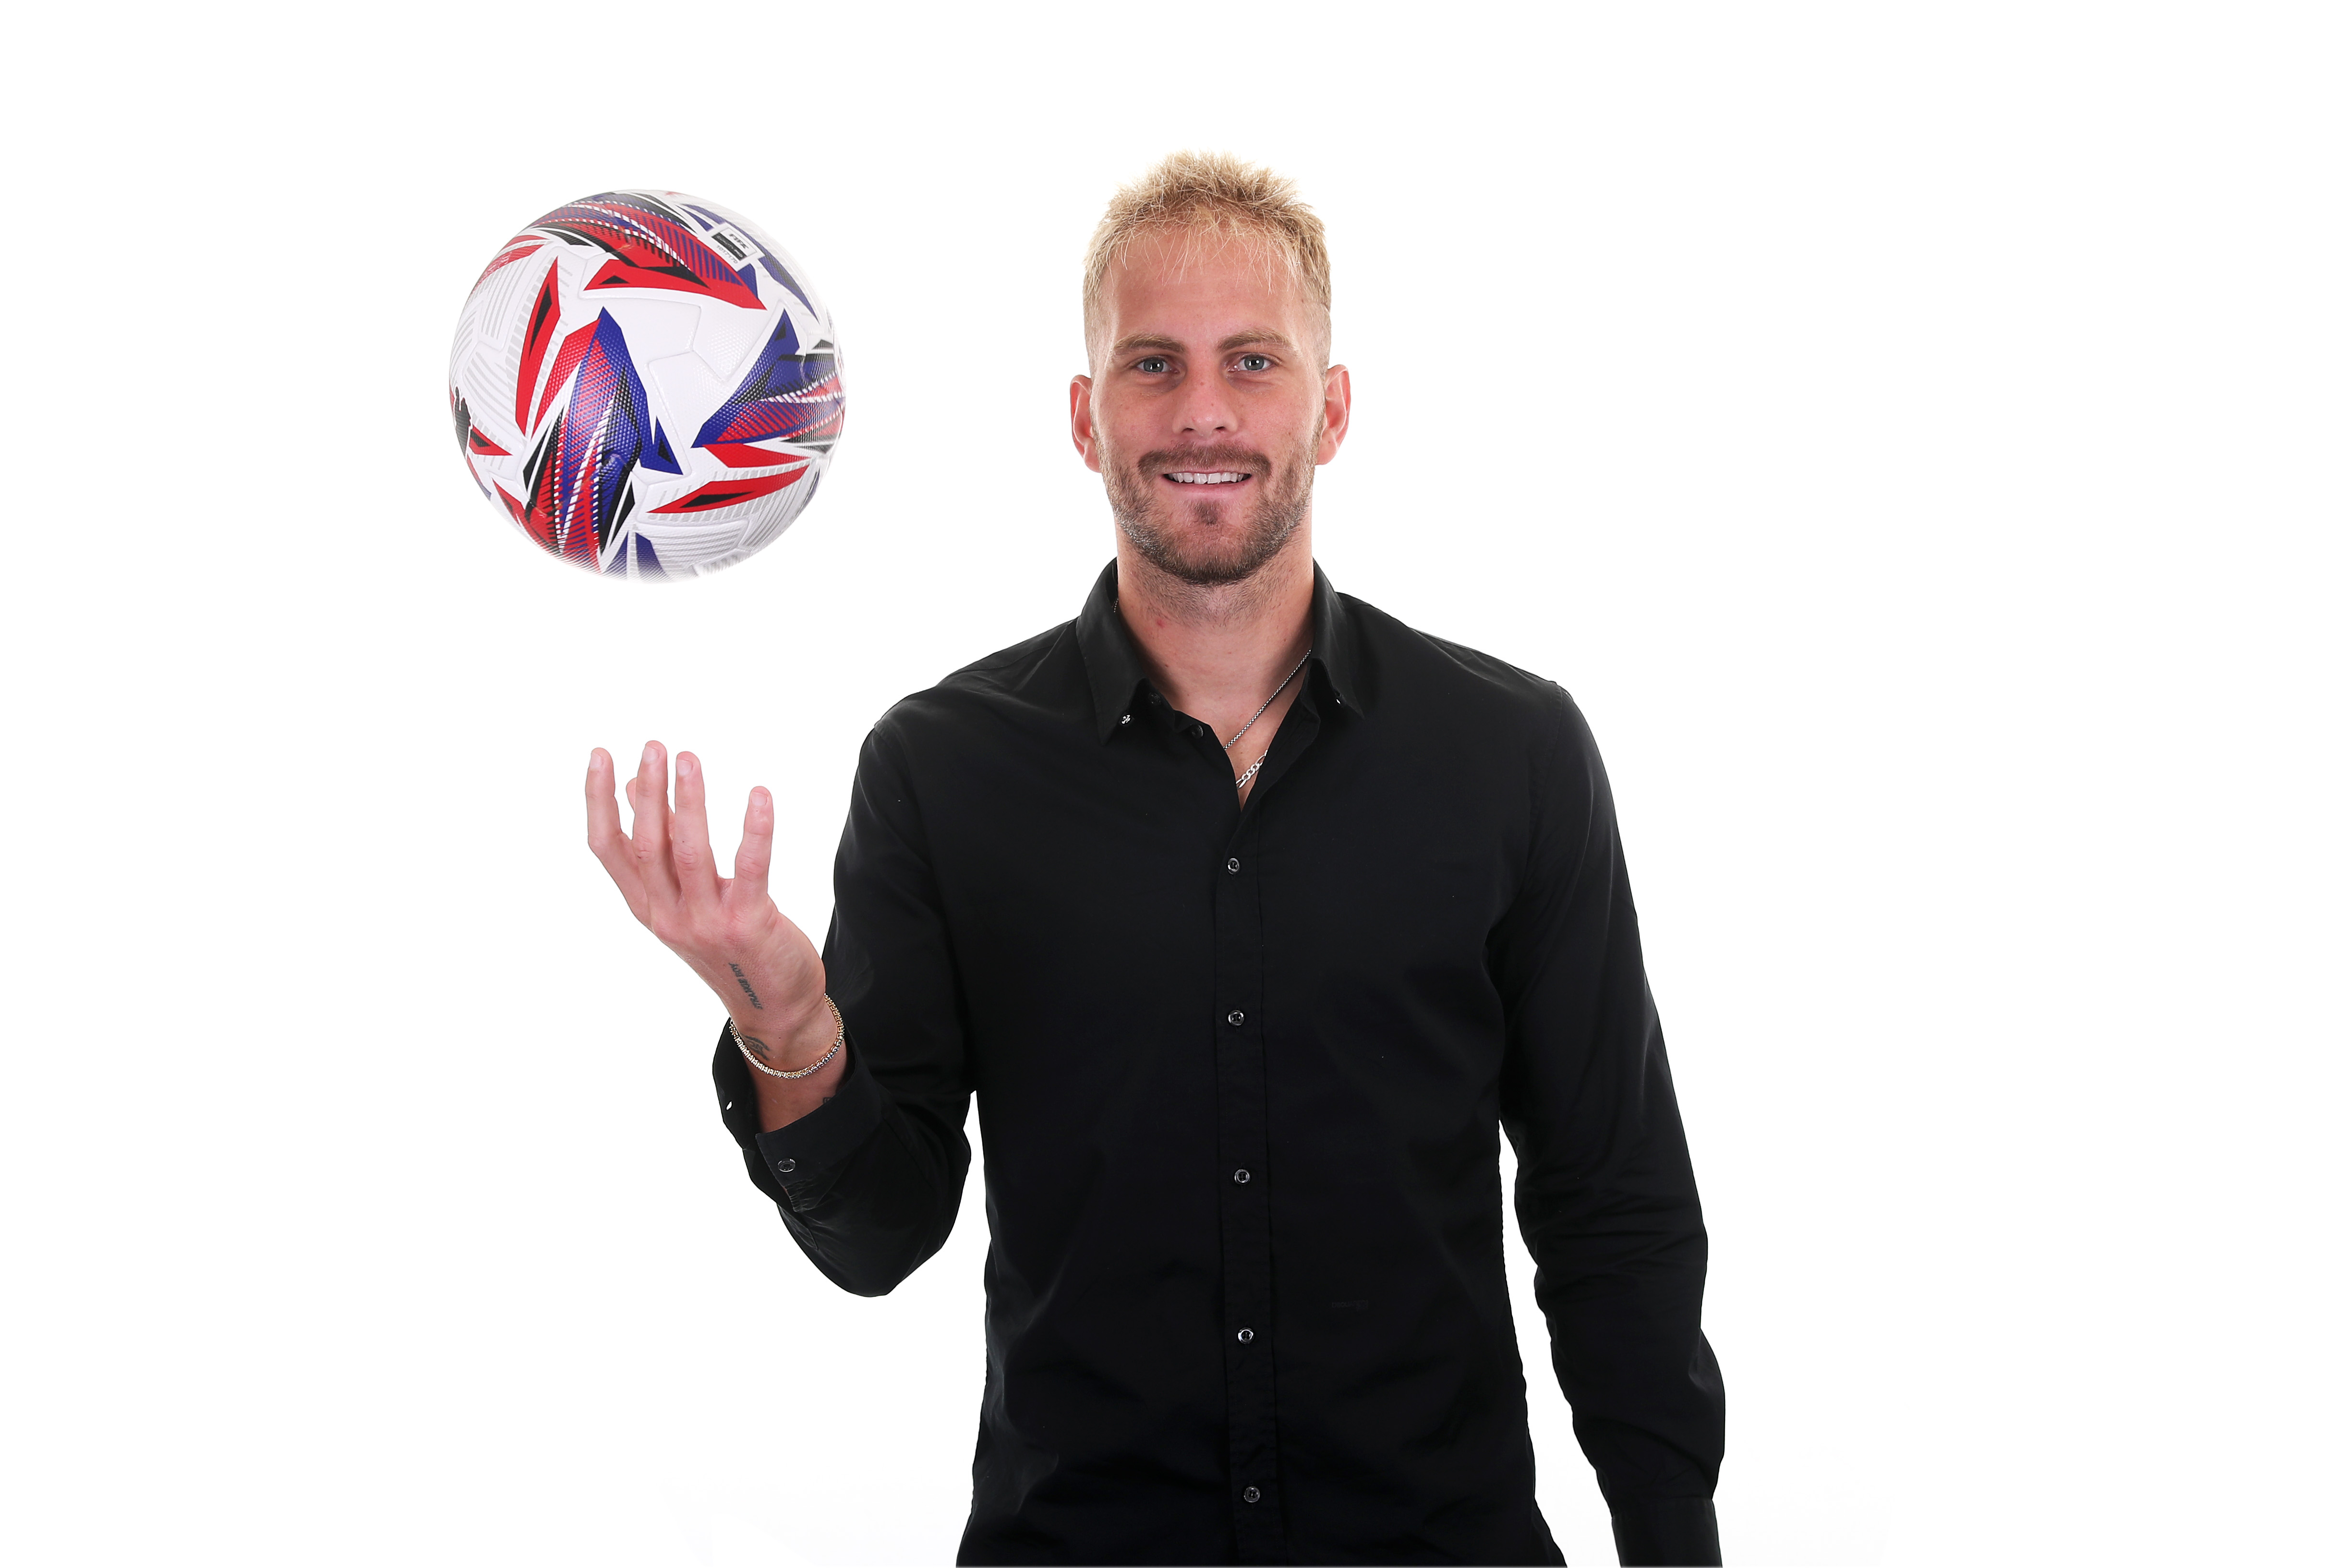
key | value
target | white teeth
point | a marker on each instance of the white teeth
(1191, 478)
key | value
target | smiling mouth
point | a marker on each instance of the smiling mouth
(1205, 477)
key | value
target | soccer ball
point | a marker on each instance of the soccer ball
(646, 384)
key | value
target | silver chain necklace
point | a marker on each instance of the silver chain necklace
(1251, 771)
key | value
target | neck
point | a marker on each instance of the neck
(1216, 651)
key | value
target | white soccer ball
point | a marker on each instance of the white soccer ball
(646, 384)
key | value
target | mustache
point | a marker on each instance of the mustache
(1222, 460)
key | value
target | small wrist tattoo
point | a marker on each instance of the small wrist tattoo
(754, 997)
(756, 1045)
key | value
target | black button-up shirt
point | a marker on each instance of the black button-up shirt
(1240, 1071)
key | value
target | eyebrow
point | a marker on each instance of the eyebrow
(1134, 342)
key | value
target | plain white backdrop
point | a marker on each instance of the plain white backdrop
(1916, 435)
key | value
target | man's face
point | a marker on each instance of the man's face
(1209, 408)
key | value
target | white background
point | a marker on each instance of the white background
(1914, 434)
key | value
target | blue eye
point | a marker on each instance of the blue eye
(1152, 365)
(1255, 362)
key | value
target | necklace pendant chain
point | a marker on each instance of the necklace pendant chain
(1268, 703)
(1241, 781)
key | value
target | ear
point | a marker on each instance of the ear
(1338, 398)
(1082, 420)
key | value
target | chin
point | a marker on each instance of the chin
(1210, 563)
(1205, 543)
(1212, 571)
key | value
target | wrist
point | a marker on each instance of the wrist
(788, 1043)
(813, 1032)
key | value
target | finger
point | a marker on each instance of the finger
(689, 836)
(649, 831)
(605, 836)
(758, 845)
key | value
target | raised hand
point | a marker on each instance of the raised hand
(728, 929)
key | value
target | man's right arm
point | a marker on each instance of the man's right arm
(866, 1157)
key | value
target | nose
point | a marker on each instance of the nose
(1205, 409)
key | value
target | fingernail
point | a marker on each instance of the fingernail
(685, 764)
(652, 752)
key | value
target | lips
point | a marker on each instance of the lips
(1204, 469)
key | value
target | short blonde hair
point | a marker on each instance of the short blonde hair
(1212, 196)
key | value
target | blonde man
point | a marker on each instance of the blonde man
(1249, 914)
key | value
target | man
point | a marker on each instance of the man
(1248, 913)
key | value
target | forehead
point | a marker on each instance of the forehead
(1168, 280)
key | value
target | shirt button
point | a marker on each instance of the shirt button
(1241, 1178)
(1250, 1494)
(1198, 731)
(1232, 865)
(1234, 1017)
(786, 1165)
(1245, 1336)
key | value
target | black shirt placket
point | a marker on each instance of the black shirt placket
(1245, 1224)
(1245, 1217)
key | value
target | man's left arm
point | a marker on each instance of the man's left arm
(1605, 1196)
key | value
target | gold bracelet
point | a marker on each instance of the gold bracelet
(840, 1033)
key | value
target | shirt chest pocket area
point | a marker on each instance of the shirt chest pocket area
(1404, 905)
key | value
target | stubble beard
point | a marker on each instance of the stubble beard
(1152, 519)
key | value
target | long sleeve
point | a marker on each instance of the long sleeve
(869, 1183)
(1605, 1196)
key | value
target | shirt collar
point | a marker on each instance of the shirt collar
(1115, 670)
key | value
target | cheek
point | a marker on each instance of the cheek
(1296, 406)
(1126, 432)
(1303, 429)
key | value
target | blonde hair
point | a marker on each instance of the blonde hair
(1214, 197)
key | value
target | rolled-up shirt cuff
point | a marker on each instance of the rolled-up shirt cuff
(795, 1165)
(1667, 1532)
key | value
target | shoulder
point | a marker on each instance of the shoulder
(1421, 671)
(1038, 681)
(1521, 730)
